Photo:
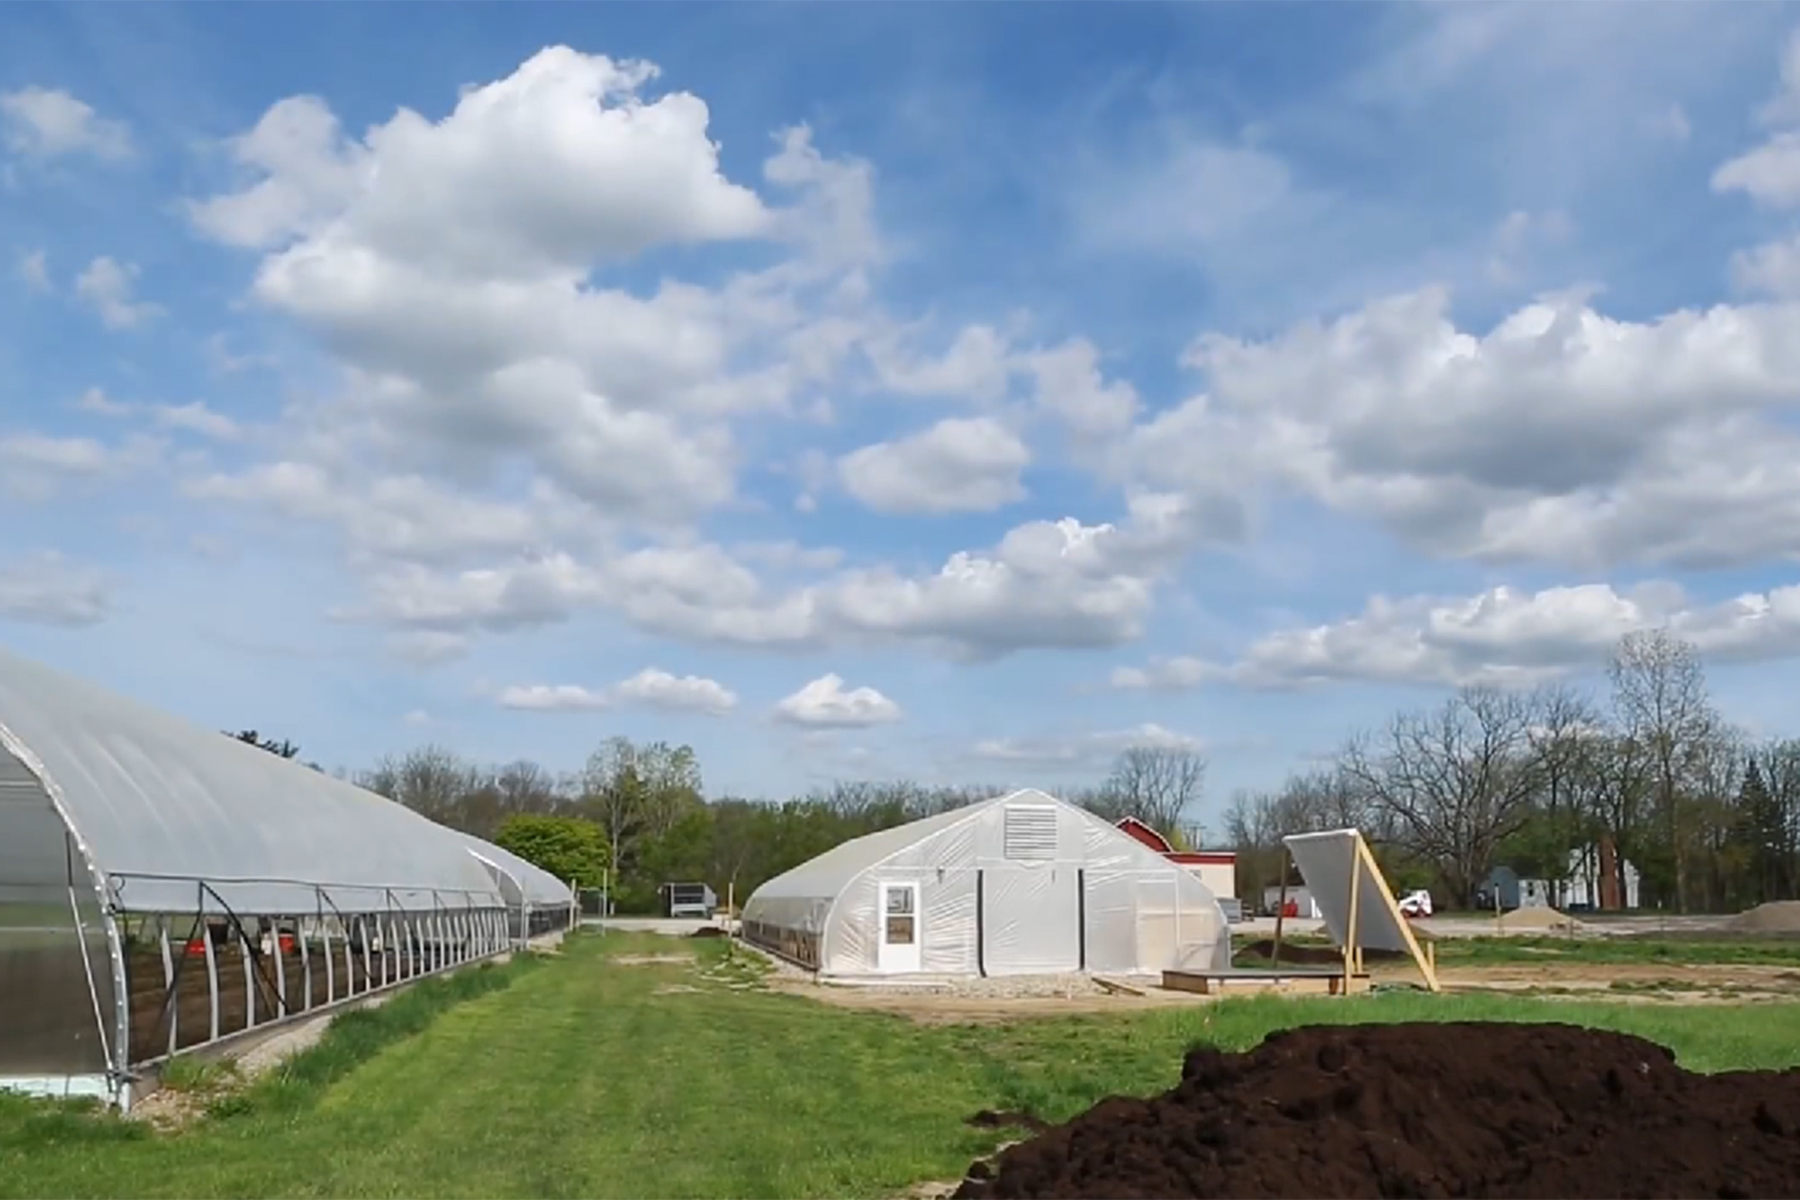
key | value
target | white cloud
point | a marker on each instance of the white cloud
(35, 466)
(659, 689)
(958, 465)
(196, 417)
(826, 704)
(455, 268)
(49, 589)
(1560, 434)
(542, 697)
(1079, 751)
(562, 162)
(651, 686)
(1501, 636)
(35, 271)
(106, 286)
(1770, 173)
(95, 400)
(48, 123)
(1772, 269)
(1071, 387)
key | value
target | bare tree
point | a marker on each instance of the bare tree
(1455, 782)
(431, 780)
(1155, 784)
(1661, 702)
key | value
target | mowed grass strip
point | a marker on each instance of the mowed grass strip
(593, 1076)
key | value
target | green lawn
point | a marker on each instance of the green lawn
(585, 1077)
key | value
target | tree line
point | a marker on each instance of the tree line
(636, 815)
(1707, 814)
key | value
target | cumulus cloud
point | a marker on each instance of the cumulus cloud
(49, 123)
(652, 687)
(958, 465)
(1079, 751)
(106, 286)
(694, 693)
(1502, 636)
(36, 466)
(540, 697)
(49, 589)
(1560, 434)
(1046, 584)
(826, 704)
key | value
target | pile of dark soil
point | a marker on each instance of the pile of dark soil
(707, 931)
(1424, 1110)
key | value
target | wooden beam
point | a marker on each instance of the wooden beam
(1427, 967)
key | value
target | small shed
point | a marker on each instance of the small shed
(1020, 884)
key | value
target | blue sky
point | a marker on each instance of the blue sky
(954, 392)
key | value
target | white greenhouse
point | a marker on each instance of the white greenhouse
(164, 886)
(1020, 884)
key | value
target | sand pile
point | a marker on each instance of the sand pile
(1424, 1110)
(1538, 918)
(1777, 916)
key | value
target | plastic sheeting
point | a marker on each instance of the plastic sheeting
(1326, 861)
(158, 804)
(519, 880)
(1087, 896)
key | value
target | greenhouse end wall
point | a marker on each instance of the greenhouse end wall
(57, 999)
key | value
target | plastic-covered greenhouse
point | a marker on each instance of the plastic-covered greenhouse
(1021, 884)
(163, 886)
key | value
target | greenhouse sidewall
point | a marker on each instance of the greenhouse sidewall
(58, 961)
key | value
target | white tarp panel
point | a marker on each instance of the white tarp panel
(159, 803)
(981, 909)
(1325, 861)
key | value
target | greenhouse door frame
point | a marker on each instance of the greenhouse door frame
(898, 948)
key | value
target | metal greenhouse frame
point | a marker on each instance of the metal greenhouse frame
(164, 887)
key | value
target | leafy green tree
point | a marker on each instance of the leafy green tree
(567, 847)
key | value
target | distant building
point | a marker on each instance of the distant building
(1586, 884)
(1217, 869)
(1591, 883)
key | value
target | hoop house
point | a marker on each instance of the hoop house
(1021, 884)
(163, 886)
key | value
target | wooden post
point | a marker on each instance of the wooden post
(1351, 924)
(1281, 904)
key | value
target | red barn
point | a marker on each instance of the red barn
(1217, 869)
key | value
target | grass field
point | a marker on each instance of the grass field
(589, 1077)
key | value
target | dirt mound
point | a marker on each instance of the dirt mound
(1539, 918)
(708, 931)
(1424, 1110)
(1300, 955)
(1778, 916)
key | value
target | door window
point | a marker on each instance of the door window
(900, 917)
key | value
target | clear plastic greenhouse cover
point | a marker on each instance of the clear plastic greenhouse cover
(1019, 884)
(159, 804)
(537, 886)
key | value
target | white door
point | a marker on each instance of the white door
(899, 927)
